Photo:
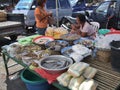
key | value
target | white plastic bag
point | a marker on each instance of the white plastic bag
(88, 85)
(89, 72)
(77, 57)
(77, 69)
(75, 83)
(64, 79)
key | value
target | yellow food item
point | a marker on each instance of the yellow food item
(34, 64)
(49, 31)
(32, 67)
(59, 31)
(55, 32)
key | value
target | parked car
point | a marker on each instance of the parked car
(2, 7)
(100, 14)
(73, 2)
(5, 6)
(27, 8)
(80, 6)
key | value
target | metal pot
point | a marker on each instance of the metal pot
(55, 64)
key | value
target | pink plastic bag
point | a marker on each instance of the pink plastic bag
(113, 31)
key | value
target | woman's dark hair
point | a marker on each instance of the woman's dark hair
(82, 18)
(40, 2)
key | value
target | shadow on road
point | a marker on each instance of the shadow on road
(16, 84)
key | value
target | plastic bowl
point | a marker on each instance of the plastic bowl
(85, 41)
(42, 40)
(66, 51)
(57, 45)
(103, 31)
(70, 37)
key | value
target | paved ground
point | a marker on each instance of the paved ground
(10, 83)
(2, 76)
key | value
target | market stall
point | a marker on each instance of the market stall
(67, 58)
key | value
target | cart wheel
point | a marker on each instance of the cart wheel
(13, 37)
(34, 29)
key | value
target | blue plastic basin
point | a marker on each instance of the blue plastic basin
(34, 82)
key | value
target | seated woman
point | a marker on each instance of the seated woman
(83, 27)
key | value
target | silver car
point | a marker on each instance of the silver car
(27, 8)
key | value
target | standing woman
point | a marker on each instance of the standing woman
(41, 17)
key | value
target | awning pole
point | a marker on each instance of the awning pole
(57, 13)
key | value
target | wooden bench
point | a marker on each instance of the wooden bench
(107, 77)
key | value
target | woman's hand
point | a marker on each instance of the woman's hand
(72, 31)
(75, 26)
(49, 13)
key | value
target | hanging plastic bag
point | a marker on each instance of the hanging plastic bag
(51, 20)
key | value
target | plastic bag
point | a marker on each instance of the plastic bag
(75, 83)
(64, 79)
(76, 57)
(89, 72)
(51, 20)
(77, 69)
(88, 85)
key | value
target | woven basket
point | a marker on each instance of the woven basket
(3, 16)
(103, 55)
(3, 19)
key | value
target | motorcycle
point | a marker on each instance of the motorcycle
(66, 21)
